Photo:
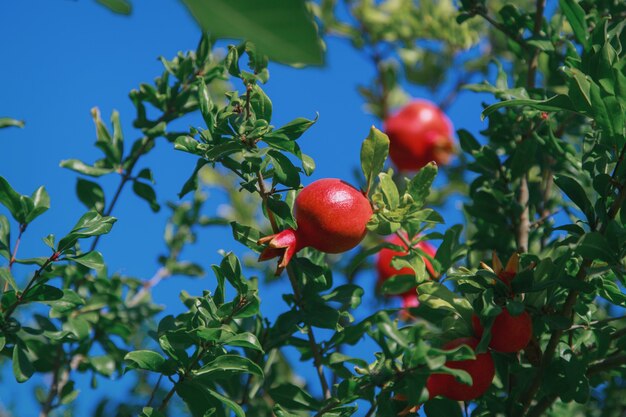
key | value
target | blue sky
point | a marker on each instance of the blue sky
(60, 58)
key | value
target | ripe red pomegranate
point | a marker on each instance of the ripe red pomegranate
(481, 369)
(386, 271)
(419, 133)
(509, 333)
(331, 216)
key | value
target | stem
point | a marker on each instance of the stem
(169, 395)
(47, 406)
(317, 357)
(20, 297)
(14, 253)
(162, 273)
(607, 364)
(595, 323)
(156, 387)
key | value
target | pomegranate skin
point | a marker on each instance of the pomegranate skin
(481, 369)
(386, 255)
(509, 334)
(419, 133)
(331, 216)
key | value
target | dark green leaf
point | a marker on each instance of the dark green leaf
(117, 6)
(146, 192)
(576, 18)
(22, 367)
(283, 29)
(90, 194)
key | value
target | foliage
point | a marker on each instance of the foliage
(546, 187)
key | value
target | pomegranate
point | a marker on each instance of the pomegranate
(331, 216)
(419, 133)
(481, 369)
(386, 270)
(509, 333)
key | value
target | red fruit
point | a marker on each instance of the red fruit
(419, 133)
(385, 256)
(331, 217)
(509, 333)
(481, 369)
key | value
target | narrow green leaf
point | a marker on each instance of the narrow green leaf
(557, 103)
(82, 168)
(576, 18)
(7, 277)
(420, 184)
(374, 151)
(117, 6)
(22, 367)
(8, 122)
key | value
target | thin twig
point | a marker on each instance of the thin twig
(14, 253)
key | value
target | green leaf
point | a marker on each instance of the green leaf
(261, 104)
(293, 397)
(285, 171)
(7, 277)
(294, 129)
(374, 151)
(245, 339)
(227, 402)
(145, 359)
(82, 168)
(92, 260)
(150, 412)
(146, 192)
(22, 367)
(12, 200)
(524, 157)
(192, 183)
(8, 122)
(43, 292)
(5, 237)
(389, 190)
(283, 29)
(247, 235)
(419, 186)
(282, 210)
(90, 224)
(90, 194)
(231, 268)
(229, 363)
(556, 103)
(576, 193)
(576, 18)
(595, 246)
(442, 408)
(117, 6)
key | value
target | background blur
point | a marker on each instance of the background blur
(60, 58)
